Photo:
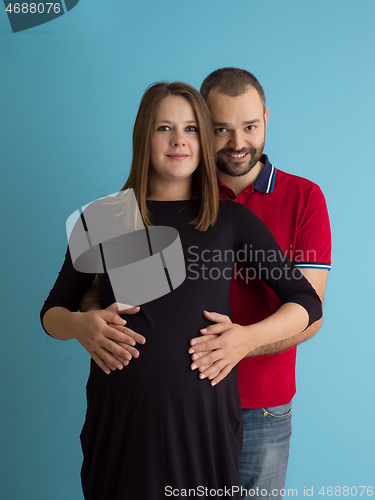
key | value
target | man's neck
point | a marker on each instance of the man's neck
(238, 184)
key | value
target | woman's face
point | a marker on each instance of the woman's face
(175, 145)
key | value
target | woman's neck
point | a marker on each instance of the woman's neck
(170, 192)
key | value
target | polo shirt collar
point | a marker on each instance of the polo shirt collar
(264, 183)
(266, 179)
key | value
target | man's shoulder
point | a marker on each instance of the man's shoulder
(297, 188)
(295, 180)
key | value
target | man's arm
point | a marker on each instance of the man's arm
(229, 342)
(318, 279)
(91, 299)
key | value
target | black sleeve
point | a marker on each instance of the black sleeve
(68, 288)
(264, 259)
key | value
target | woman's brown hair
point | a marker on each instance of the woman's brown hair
(204, 187)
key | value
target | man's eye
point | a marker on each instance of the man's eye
(250, 127)
(191, 128)
(220, 130)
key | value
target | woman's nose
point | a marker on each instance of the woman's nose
(178, 139)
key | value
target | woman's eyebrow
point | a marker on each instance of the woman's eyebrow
(171, 123)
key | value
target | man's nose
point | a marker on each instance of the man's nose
(237, 140)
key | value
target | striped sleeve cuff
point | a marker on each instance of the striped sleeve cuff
(312, 265)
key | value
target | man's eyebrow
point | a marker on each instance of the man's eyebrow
(221, 124)
(227, 125)
(250, 122)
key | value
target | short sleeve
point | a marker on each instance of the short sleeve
(313, 243)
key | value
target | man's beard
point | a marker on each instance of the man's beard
(235, 169)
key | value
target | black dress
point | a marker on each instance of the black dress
(154, 427)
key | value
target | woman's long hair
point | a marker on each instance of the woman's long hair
(204, 186)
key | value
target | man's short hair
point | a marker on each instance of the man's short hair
(232, 82)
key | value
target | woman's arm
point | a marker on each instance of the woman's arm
(317, 278)
(215, 357)
(61, 320)
(92, 332)
(301, 306)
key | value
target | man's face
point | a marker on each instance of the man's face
(240, 126)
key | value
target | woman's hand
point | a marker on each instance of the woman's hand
(235, 342)
(220, 348)
(106, 338)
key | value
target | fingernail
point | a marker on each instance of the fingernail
(204, 330)
(202, 376)
(193, 367)
(195, 357)
(213, 384)
(119, 366)
(191, 351)
(193, 342)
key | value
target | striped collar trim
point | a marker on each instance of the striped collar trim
(266, 179)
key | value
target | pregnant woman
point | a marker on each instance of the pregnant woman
(154, 428)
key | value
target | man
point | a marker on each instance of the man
(294, 209)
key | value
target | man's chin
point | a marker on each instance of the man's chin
(234, 169)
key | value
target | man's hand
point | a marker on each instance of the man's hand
(220, 348)
(126, 309)
(104, 336)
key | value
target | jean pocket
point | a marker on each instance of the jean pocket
(282, 411)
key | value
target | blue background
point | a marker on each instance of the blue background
(69, 94)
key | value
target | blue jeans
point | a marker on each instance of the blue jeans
(265, 450)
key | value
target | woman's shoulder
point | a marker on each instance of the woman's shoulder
(231, 208)
(244, 222)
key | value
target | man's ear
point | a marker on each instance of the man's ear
(266, 113)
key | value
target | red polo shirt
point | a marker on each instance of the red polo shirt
(295, 211)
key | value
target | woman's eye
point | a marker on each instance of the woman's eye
(164, 128)
(191, 128)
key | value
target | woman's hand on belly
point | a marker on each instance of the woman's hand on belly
(220, 348)
(106, 338)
